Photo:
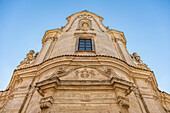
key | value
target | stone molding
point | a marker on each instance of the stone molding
(48, 87)
(83, 56)
(51, 84)
(113, 34)
(51, 34)
(55, 83)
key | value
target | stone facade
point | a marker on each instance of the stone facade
(63, 79)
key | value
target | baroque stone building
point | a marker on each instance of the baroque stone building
(84, 67)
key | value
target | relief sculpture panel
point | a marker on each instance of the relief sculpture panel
(85, 74)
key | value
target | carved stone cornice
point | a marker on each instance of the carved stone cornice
(125, 86)
(148, 93)
(84, 34)
(78, 56)
(45, 85)
(54, 83)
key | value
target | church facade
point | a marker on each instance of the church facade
(84, 67)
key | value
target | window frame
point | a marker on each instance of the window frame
(85, 38)
(85, 45)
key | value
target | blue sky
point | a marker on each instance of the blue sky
(145, 23)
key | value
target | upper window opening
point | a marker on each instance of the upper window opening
(85, 45)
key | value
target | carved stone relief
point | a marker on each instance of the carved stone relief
(84, 74)
(85, 24)
(108, 71)
(61, 70)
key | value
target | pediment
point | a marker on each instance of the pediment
(85, 73)
(82, 13)
(84, 21)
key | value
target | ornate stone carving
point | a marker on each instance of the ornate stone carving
(85, 24)
(28, 60)
(85, 73)
(116, 36)
(108, 71)
(82, 73)
(49, 84)
(139, 62)
(61, 70)
(45, 105)
(46, 102)
(51, 35)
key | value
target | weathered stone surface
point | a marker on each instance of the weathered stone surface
(63, 79)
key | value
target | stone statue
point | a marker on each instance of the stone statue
(28, 60)
(139, 62)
